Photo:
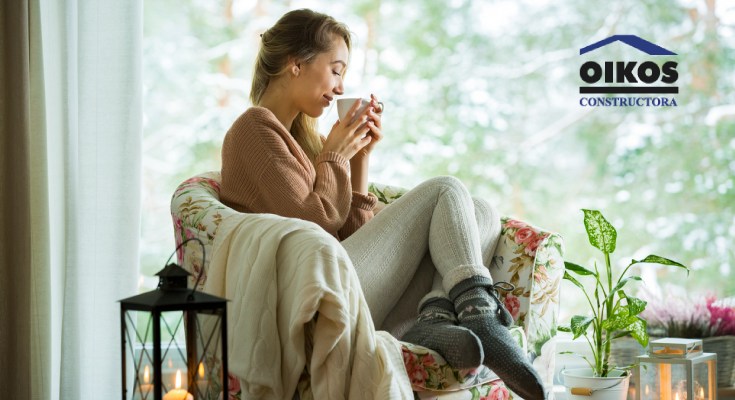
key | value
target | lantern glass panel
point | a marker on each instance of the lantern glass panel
(705, 384)
(190, 344)
(677, 379)
(663, 381)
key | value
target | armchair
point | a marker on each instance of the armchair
(527, 257)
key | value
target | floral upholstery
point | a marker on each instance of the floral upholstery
(527, 257)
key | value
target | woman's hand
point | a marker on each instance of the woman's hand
(359, 164)
(349, 139)
(375, 126)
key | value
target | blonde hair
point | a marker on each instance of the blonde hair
(300, 34)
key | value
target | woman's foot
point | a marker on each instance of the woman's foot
(479, 310)
(436, 329)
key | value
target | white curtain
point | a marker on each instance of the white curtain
(75, 126)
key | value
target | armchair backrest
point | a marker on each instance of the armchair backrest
(197, 212)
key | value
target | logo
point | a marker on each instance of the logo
(615, 77)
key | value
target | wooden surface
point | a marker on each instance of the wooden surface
(726, 393)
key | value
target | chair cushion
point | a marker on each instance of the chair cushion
(432, 378)
(494, 390)
(427, 370)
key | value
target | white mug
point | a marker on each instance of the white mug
(344, 104)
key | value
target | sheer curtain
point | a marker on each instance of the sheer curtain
(69, 192)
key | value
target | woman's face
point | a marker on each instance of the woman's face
(319, 81)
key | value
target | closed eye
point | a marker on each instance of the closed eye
(336, 73)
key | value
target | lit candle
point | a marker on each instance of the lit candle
(178, 393)
(202, 381)
(676, 396)
(701, 393)
(146, 386)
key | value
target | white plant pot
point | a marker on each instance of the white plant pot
(581, 384)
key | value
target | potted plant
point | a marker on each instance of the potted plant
(614, 314)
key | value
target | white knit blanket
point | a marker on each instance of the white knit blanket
(278, 274)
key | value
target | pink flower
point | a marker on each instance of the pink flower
(213, 184)
(722, 318)
(525, 235)
(513, 223)
(408, 357)
(194, 180)
(498, 392)
(513, 304)
(681, 314)
(531, 247)
(233, 385)
(428, 360)
(416, 371)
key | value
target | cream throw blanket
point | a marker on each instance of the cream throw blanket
(279, 273)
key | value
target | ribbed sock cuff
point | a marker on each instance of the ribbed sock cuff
(467, 284)
(468, 276)
(437, 298)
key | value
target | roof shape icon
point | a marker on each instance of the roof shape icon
(633, 41)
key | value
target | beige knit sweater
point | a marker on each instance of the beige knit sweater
(264, 170)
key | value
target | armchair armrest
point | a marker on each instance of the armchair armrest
(531, 259)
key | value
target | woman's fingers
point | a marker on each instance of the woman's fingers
(359, 121)
(377, 104)
(375, 117)
(353, 110)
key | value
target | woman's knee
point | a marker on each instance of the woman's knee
(447, 183)
(485, 211)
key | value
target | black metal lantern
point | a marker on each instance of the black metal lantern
(174, 342)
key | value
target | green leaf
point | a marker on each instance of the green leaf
(578, 269)
(579, 325)
(638, 330)
(563, 328)
(635, 305)
(573, 280)
(619, 321)
(601, 233)
(619, 334)
(654, 259)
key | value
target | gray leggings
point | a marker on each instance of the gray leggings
(428, 240)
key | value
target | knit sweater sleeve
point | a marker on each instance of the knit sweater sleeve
(361, 211)
(264, 172)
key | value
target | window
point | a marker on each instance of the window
(486, 91)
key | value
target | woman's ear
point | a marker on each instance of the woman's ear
(294, 66)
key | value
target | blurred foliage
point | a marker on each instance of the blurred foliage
(486, 91)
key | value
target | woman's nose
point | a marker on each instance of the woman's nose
(339, 89)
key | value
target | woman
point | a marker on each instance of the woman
(274, 161)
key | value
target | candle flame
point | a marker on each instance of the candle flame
(648, 390)
(701, 392)
(201, 370)
(178, 379)
(147, 374)
(676, 396)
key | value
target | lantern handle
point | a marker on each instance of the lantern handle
(204, 258)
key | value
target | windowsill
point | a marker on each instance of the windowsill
(560, 392)
(564, 343)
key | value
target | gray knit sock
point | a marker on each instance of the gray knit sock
(479, 309)
(436, 329)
